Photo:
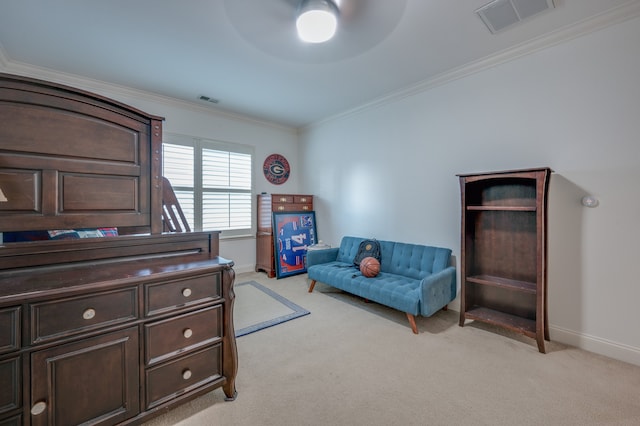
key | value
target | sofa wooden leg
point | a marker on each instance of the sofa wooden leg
(313, 284)
(412, 322)
(445, 308)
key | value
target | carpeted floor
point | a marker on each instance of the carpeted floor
(356, 363)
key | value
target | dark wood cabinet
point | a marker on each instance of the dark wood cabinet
(504, 250)
(267, 205)
(92, 381)
(110, 330)
(10, 390)
(115, 341)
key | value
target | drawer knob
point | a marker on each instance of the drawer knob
(186, 374)
(187, 333)
(305, 208)
(38, 408)
(89, 314)
(186, 292)
(280, 207)
(283, 199)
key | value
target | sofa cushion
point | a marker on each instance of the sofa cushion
(330, 271)
(392, 290)
(388, 289)
(417, 261)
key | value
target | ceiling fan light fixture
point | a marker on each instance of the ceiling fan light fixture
(317, 20)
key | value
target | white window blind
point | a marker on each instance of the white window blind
(213, 183)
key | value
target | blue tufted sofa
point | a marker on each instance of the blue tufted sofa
(414, 279)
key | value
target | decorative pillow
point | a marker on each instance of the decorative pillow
(70, 234)
(109, 232)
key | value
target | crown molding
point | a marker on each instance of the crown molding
(624, 12)
(97, 86)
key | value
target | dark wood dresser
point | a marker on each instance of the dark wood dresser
(111, 330)
(267, 205)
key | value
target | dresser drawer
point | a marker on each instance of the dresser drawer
(9, 329)
(281, 198)
(303, 199)
(167, 338)
(278, 199)
(171, 295)
(10, 378)
(292, 207)
(182, 375)
(63, 317)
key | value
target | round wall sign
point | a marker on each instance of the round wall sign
(276, 169)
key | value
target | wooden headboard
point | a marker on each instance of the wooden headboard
(71, 159)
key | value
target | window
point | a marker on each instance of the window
(213, 183)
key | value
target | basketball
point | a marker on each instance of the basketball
(369, 267)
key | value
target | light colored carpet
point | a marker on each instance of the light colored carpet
(356, 363)
(257, 307)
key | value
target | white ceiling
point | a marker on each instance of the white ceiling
(245, 52)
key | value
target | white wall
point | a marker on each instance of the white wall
(193, 120)
(389, 171)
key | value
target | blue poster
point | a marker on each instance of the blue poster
(293, 233)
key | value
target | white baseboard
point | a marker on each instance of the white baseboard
(586, 342)
(241, 269)
(619, 351)
(597, 345)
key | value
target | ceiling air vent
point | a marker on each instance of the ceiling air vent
(208, 99)
(499, 14)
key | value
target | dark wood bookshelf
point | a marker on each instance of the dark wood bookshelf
(504, 250)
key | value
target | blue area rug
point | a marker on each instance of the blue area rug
(257, 307)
